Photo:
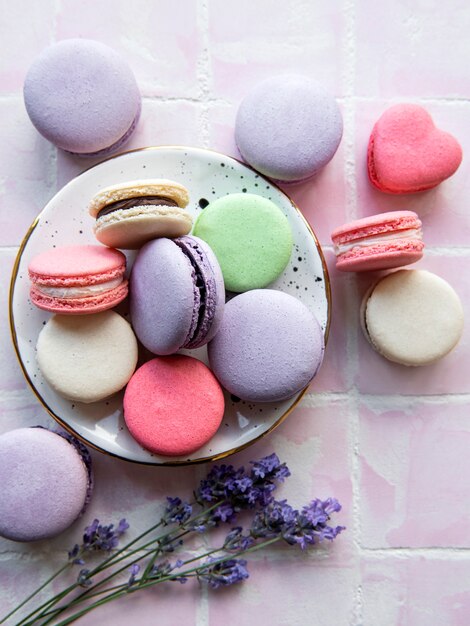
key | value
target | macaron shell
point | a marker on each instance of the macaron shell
(162, 297)
(130, 229)
(80, 306)
(408, 154)
(89, 357)
(173, 405)
(250, 237)
(381, 257)
(413, 317)
(137, 189)
(379, 224)
(76, 266)
(288, 127)
(44, 484)
(268, 348)
(82, 96)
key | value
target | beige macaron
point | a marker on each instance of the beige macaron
(86, 358)
(130, 214)
(412, 317)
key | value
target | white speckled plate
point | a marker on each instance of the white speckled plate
(65, 221)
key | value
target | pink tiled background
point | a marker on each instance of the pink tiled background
(391, 443)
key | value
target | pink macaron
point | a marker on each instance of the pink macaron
(173, 405)
(407, 153)
(378, 242)
(76, 280)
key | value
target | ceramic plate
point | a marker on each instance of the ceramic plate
(64, 221)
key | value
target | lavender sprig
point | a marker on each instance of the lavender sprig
(220, 497)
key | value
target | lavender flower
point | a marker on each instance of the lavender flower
(83, 580)
(223, 574)
(177, 512)
(235, 541)
(163, 569)
(134, 570)
(74, 555)
(98, 537)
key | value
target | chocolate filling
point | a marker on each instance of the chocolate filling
(129, 203)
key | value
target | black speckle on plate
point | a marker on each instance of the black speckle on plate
(244, 190)
(222, 165)
(296, 269)
(299, 259)
(234, 398)
(203, 203)
(318, 279)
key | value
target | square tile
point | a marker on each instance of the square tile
(417, 591)
(410, 48)
(249, 41)
(413, 479)
(27, 165)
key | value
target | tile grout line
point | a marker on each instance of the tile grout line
(204, 71)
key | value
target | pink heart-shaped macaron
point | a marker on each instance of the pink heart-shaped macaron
(407, 153)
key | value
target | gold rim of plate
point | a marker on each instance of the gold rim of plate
(67, 427)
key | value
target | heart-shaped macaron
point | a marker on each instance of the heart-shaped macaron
(407, 153)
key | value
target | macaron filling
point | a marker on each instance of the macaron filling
(204, 293)
(79, 292)
(377, 239)
(130, 203)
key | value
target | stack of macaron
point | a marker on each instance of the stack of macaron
(174, 403)
(411, 317)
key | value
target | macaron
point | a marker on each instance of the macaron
(87, 358)
(288, 127)
(250, 237)
(83, 97)
(130, 214)
(173, 405)
(407, 153)
(177, 294)
(379, 242)
(47, 483)
(412, 317)
(77, 280)
(269, 346)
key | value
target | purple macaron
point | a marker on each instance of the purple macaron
(177, 294)
(83, 97)
(46, 483)
(288, 127)
(268, 348)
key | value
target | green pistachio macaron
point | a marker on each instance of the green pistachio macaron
(250, 237)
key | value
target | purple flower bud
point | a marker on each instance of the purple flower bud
(134, 570)
(223, 573)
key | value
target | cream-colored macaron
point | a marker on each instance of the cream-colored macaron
(86, 358)
(130, 214)
(412, 317)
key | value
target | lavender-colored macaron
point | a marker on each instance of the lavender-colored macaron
(288, 127)
(46, 483)
(268, 348)
(83, 97)
(177, 294)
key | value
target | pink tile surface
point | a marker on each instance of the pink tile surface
(389, 442)
(408, 48)
(414, 465)
(250, 41)
(416, 591)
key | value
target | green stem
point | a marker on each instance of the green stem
(111, 561)
(125, 590)
(49, 580)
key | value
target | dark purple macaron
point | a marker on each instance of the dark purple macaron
(268, 348)
(177, 294)
(46, 483)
